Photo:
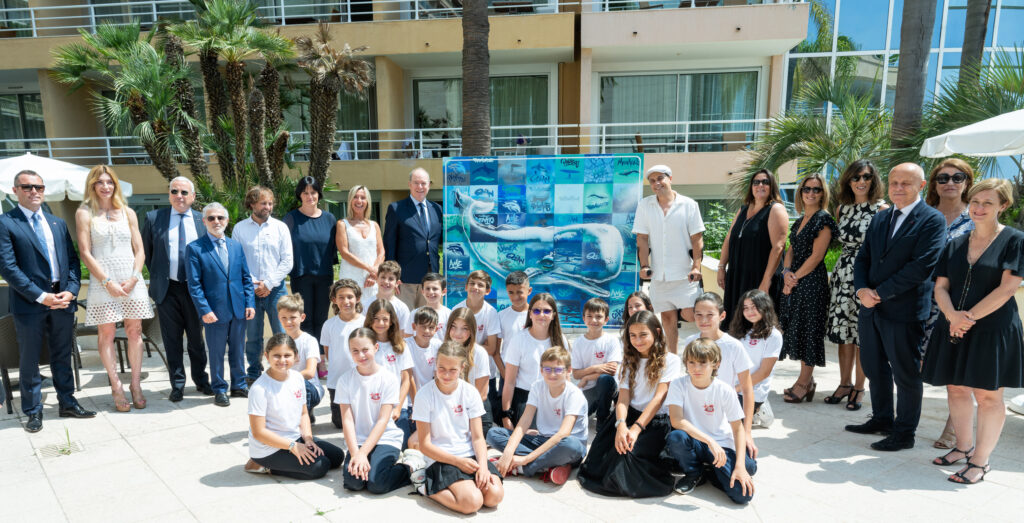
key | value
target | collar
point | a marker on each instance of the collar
(215, 239)
(28, 213)
(415, 201)
(174, 212)
(906, 210)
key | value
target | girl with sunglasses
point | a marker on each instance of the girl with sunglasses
(522, 356)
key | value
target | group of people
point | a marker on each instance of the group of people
(419, 391)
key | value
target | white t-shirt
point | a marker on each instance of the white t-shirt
(734, 358)
(669, 234)
(442, 322)
(422, 359)
(334, 336)
(710, 409)
(401, 309)
(449, 415)
(365, 395)
(480, 368)
(586, 353)
(524, 352)
(551, 411)
(487, 324)
(394, 363)
(308, 348)
(758, 350)
(643, 393)
(511, 323)
(280, 403)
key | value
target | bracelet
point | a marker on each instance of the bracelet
(291, 446)
(106, 281)
(642, 428)
(619, 422)
(137, 275)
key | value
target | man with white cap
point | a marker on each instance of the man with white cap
(669, 240)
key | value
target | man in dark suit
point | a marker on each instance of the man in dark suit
(893, 278)
(164, 237)
(412, 236)
(221, 288)
(39, 262)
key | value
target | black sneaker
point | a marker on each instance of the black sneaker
(239, 393)
(687, 483)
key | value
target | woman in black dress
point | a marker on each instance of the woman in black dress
(977, 347)
(805, 292)
(756, 239)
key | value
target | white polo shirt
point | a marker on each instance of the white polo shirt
(669, 235)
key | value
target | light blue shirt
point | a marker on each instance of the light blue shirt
(51, 250)
(268, 249)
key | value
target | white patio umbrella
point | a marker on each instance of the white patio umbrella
(1001, 135)
(62, 179)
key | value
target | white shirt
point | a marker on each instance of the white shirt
(734, 358)
(401, 309)
(334, 336)
(552, 410)
(394, 363)
(191, 235)
(758, 350)
(280, 403)
(709, 409)
(308, 348)
(904, 212)
(422, 359)
(511, 323)
(268, 249)
(669, 235)
(487, 325)
(480, 368)
(524, 352)
(365, 395)
(442, 321)
(642, 392)
(449, 415)
(51, 250)
(586, 353)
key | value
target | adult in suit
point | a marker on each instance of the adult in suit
(412, 236)
(39, 262)
(164, 237)
(893, 278)
(221, 287)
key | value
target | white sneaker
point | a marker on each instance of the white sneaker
(417, 464)
(1017, 404)
(764, 416)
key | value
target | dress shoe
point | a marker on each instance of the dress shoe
(239, 393)
(205, 389)
(871, 426)
(894, 442)
(35, 422)
(221, 400)
(177, 395)
(75, 411)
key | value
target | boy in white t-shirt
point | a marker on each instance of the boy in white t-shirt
(290, 313)
(595, 360)
(478, 285)
(433, 288)
(708, 423)
(389, 276)
(423, 347)
(561, 439)
(512, 319)
(334, 336)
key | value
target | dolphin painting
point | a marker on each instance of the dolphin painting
(604, 243)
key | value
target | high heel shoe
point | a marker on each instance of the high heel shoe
(808, 395)
(947, 440)
(961, 477)
(944, 461)
(853, 403)
(138, 400)
(120, 402)
(837, 398)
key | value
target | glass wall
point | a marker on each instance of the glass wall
(21, 119)
(355, 116)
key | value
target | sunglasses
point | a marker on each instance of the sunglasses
(182, 192)
(544, 312)
(553, 370)
(861, 178)
(808, 190)
(27, 187)
(216, 218)
(944, 178)
(762, 181)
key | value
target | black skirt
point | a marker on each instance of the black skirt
(442, 475)
(642, 473)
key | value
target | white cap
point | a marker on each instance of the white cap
(660, 168)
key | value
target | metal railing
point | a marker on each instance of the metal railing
(642, 5)
(512, 140)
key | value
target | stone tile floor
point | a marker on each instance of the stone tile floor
(183, 462)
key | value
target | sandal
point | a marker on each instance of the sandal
(836, 397)
(138, 400)
(808, 395)
(961, 477)
(944, 461)
(852, 403)
(947, 440)
(120, 402)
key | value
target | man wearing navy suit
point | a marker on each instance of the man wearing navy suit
(893, 278)
(164, 237)
(221, 288)
(412, 236)
(39, 262)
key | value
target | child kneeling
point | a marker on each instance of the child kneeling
(708, 423)
(561, 410)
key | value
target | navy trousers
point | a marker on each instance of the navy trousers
(889, 354)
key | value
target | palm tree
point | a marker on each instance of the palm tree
(975, 27)
(269, 84)
(915, 43)
(476, 65)
(186, 97)
(330, 70)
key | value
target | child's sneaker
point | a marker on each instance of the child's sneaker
(255, 468)
(688, 482)
(417, 464)
(559, 475)
(764, 416)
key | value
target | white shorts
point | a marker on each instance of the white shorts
(672, 295)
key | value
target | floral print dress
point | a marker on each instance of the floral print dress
(843, 305)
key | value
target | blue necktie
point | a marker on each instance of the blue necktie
(181, 248)
(892, 226)
(37, 226)
(222, 250)
(423, 216)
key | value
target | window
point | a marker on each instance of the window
(862, 24)
(21, 123)
(355, 116)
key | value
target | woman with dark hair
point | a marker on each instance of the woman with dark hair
(860, 198)
(315, 254)
(756, 240)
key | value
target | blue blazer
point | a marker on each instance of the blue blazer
(26, 269)
(408, 243)
(900, 270)
(227, 293)
(155, 244)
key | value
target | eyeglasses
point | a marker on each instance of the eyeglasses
(544, 312)
(861, 178)
(28, 187)
(216, 218)
(944, 178)
(807, 190)
(552, 370)
(182, 192)
(761, 181)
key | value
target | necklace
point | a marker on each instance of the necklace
(982, 252)
(748, 220)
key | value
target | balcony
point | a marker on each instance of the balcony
(635, 5)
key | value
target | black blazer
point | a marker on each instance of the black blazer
(900, 270)
(406, 242)
(155, 244)
(24, 266)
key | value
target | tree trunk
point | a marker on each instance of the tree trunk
(258, 138)
(915, 43)
(235, 72)
(159, 154)
(270, 85)
(323, 110)
(476, 93)
(186, 98)
(217, 109)
(975, 28)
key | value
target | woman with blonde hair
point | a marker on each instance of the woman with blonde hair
(359, 241)
(111, 247)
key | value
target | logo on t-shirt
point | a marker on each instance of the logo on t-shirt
(391, 358)
(298, 393)
(480, 328)
(558, 412)
(709, 408)
(599, 355)
(753, 341)
(430, 361)
(458, 409)
(374, 396)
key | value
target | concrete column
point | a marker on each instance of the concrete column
(585, 116)
(56, 22)
(775, 83)
(390, 105)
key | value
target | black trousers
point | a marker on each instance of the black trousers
(889, 354)
(284, 463)
(316, 299)
(178, 316)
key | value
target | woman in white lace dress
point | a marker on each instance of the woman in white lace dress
(359, 242)
(111, 247)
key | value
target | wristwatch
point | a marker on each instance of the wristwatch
(619, 422)
(291, 446)
(507, 414)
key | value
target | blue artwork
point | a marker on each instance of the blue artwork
(565, 220)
